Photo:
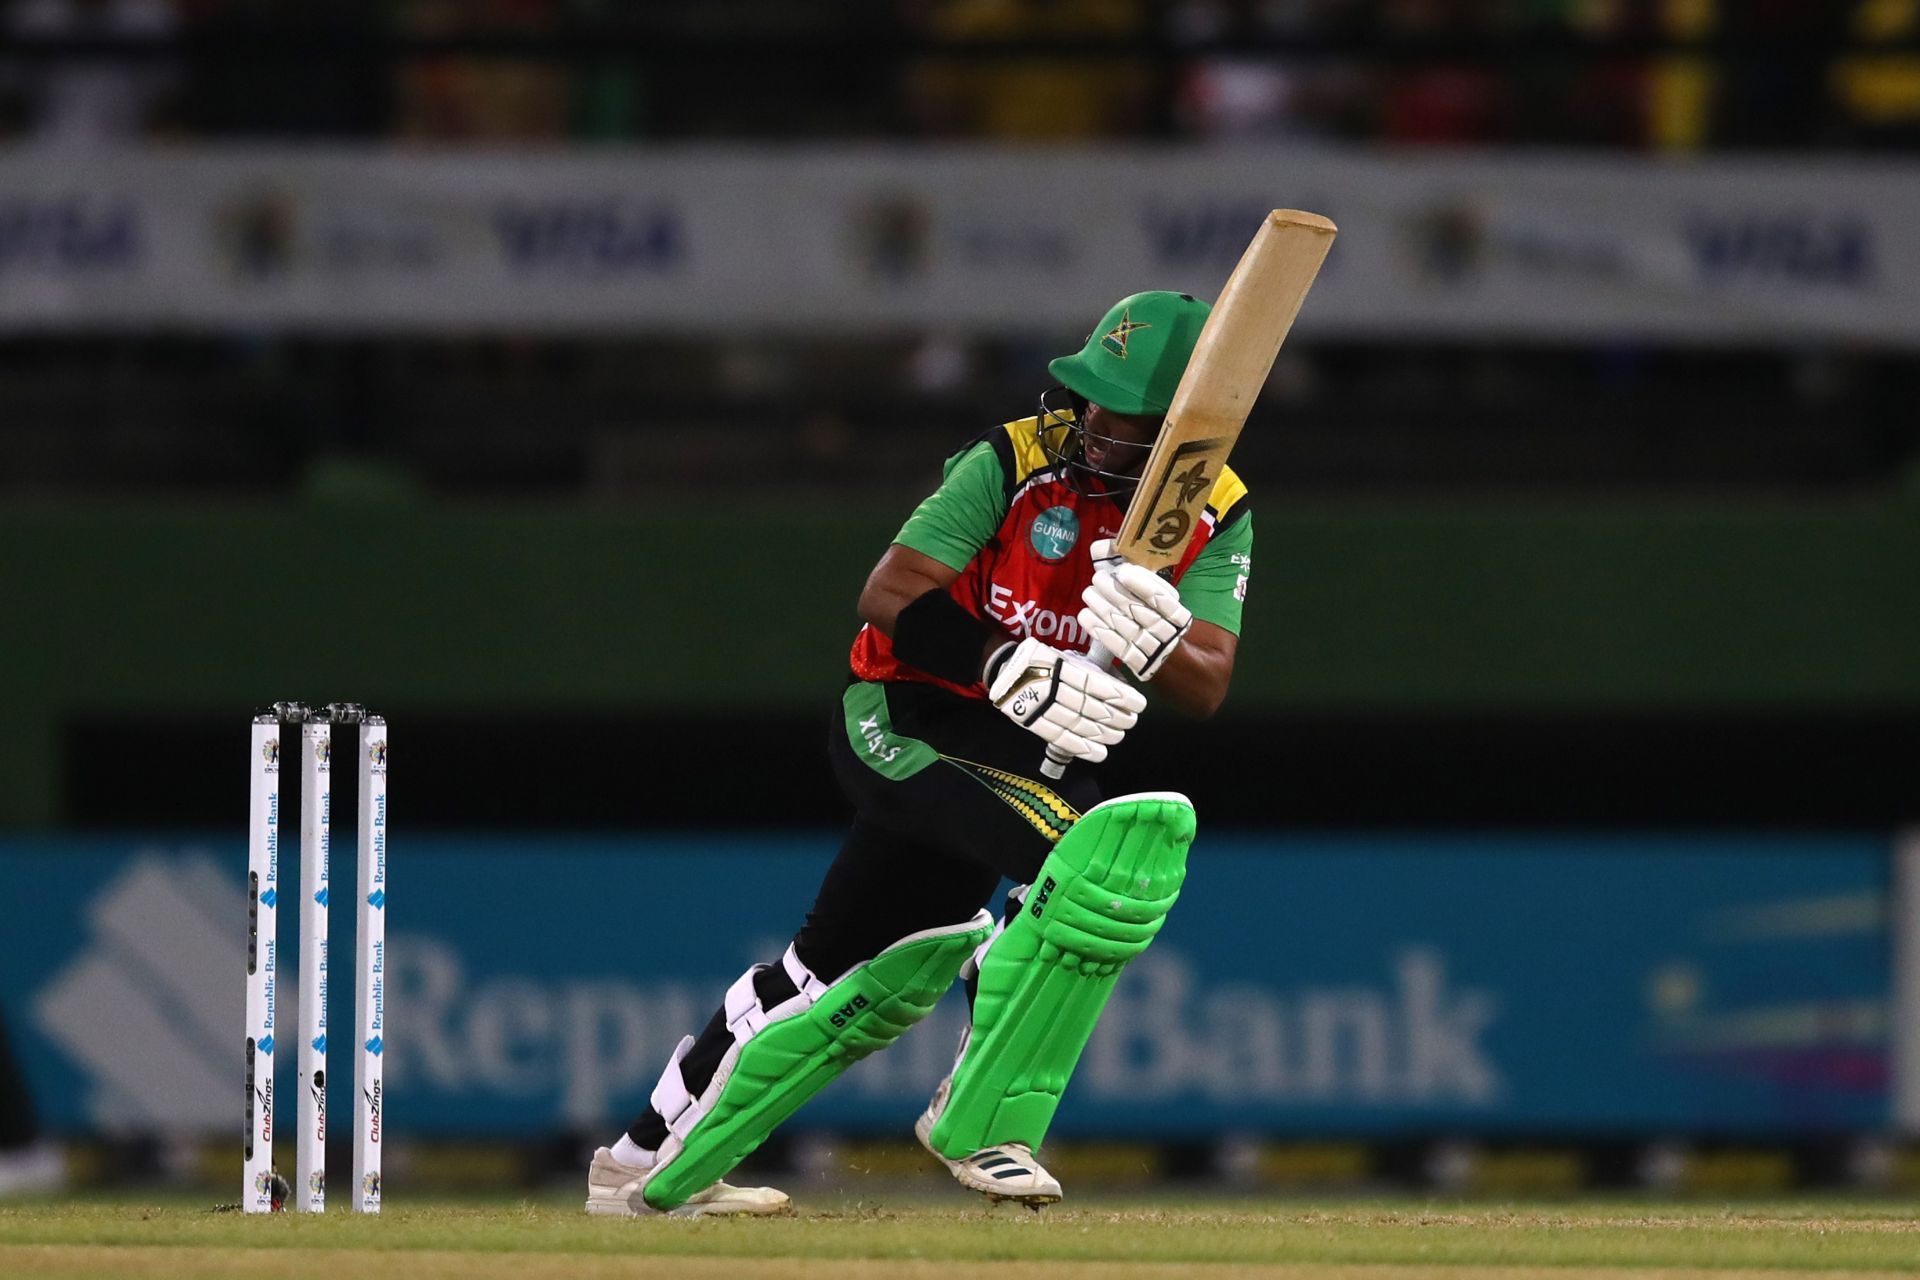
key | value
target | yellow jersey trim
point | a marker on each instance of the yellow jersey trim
(1229, 491)
(1028, 454)
(1030, 458)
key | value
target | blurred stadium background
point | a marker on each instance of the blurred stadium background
(548, 373)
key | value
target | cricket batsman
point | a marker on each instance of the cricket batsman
(970, 666)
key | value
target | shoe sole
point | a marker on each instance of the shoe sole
(621, 1209)
(725, 1211)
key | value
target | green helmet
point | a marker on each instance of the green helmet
(1134, 357)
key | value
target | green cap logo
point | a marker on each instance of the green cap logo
(1115, 339)
(1133, 359)
(1053, 533)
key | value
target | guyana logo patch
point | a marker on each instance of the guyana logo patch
(1115, 340)
(1053, 533)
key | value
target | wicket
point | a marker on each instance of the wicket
(258, 1190)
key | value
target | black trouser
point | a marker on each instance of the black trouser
(925, 850)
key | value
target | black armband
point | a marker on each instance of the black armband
(937, 635)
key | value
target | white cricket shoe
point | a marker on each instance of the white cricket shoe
(1004, 1172)
(613, 1191)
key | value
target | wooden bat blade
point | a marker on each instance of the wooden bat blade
(1230, 364)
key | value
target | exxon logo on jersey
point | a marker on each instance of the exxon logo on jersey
(66, 234)
(1027, 618)
(589, 237)
(1804, 249)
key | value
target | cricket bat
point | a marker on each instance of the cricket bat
(1230, 363)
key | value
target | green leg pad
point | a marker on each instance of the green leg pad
(786, 1062)
(1099, 899)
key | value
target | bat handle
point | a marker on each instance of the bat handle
(1055, 765)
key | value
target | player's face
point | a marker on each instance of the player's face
(1119, 442)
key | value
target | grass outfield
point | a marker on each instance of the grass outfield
(869, 1239)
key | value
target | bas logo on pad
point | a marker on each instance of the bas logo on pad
(1053, 533)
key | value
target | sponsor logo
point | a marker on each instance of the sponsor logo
(267, 235)
(1404, 1033)
(380, 846)
(372, 1094)
(891, 236)
(378, 969)
(848, 1012)
(1171, 529)
(1026, 618)
(68, 235)
(1411, 1037)
(1053, 533)
(259, 234)
(1040, 898)
(376, 1046)
(605, 237)
(319, 1091)
(1796, 248)
(1000, 245)
(1193, 482)
(895, 238)
(1240, 588)
(270, 898)
(1457, 239)
(877, 745)
(1212, 234)
(265, 1095)
(1447, 242)
(321, 897)
(377, 899)
(1114, 340)
(320, 1044)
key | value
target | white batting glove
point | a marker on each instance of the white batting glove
(1070, 704)
(1133, 612)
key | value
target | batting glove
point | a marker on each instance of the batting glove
(1133, 612)
(1070, 704)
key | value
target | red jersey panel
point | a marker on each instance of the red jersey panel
(1027, 577)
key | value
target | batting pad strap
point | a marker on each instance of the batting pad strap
(1097, 902)
(803, 1045)
(670, 1097)
(1016, 898)
(803, 980)
(744, 1015)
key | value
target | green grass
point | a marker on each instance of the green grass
(843, 1236)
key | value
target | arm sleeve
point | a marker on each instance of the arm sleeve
(955, 520)
(1214, 586)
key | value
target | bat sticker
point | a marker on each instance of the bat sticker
(1171, 522)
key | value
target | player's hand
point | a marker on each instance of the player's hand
(1071, 704)
(1133, 612)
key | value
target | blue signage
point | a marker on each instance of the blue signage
(1365, 986)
